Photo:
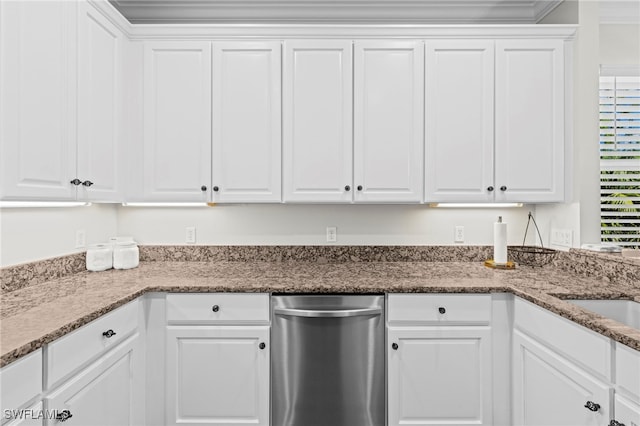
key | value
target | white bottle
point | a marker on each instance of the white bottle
(500, 242)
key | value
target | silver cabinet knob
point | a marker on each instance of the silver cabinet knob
(63, 416)
(592, 406)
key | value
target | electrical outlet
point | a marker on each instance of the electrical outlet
(332, 234)
(190, 236)
(459, 234)
(561, 237)
(81, 238)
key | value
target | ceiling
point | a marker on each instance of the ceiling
(336, 11)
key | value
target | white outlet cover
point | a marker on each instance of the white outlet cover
(81, 238)
(190, 236)
(332, 234)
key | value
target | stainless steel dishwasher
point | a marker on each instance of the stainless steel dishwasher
(327, 360)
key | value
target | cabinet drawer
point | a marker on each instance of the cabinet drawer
(218, 308)
(628, 370)
(73, 351)
(439, 308)
(21, 381)
(574, 341)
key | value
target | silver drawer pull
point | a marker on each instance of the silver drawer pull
(338, 313)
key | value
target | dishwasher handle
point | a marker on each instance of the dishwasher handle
(334, 313)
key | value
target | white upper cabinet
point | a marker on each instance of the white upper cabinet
(317, 109)
(177, 120)
(530, 124)
(99, 106)
(459, 120)
(388, 121)
(38, 102)
(246, 144)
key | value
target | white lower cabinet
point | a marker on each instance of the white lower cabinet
(208, 362)
(439, 375)
(217, 359)
(21, 385)
(31, 416)
(627, 412)
(217, 375)
(550, 390)
(108, 392)
(439, 359)
(627, 384)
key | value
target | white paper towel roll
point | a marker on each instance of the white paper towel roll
(500, 242)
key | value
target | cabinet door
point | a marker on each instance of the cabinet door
(21, 384)
(548, 390)
(106, 393)
(31, 416)
(529, 120)
(388, 107)
(217, 375)
(177, 121)
(38, 108)
(439, 375)
(317, 112)
(246, 122)
(99, 105)
(626, 411)
(459, 121)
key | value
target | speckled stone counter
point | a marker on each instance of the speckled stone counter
(36, 314)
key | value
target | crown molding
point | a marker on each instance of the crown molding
(248, 31)
(114, 16)
(280, 31)
(335, 11)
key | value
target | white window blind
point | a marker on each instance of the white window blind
(620, 160)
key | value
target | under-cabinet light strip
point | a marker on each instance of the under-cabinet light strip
(41, 204)
(166, 204)
(476, 205)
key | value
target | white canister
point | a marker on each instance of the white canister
(99, 257)
(126, 255)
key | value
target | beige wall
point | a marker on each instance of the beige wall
(28, 234)
(620, 44)
(582, 213)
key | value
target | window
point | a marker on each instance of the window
(620, 158)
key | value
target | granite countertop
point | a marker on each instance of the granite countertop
(38, 314)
